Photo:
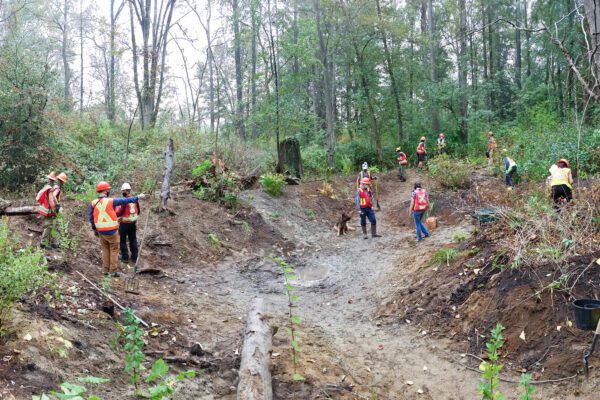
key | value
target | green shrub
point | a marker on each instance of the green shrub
(202, 169)
(273, 184)
(443, 256)
(451, 173)
(459, 236)
(221, 189)
(23, 271)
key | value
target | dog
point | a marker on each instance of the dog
(341, 226)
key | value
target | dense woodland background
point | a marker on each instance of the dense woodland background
(95, 88)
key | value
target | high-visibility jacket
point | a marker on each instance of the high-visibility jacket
(421, 148)
(365, 198)
(45, 199)
(491, 143)
(560, 176)
(128, 213)
(441, 143)
(402, 159)
(105, 216)
(510, 163)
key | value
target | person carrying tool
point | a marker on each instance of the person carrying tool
(441, 144)
(561, 183)
(364, 205)
(511, 169)
(421, 153)
(419, 204)
(489, 153)
(105, 224)
(402, 162)
(47, 208)
(128, 216)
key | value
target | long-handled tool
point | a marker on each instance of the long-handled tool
(131, 284)
(377, 194)
(588, 353)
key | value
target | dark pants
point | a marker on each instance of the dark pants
(559, 191)
(401, 173)
(509, 176)
(367, 213)
(128, 231)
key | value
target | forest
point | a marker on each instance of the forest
(243, 125)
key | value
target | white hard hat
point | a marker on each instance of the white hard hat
(365, 165)
(126, 186)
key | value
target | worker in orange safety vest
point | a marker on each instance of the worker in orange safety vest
(128, 216)
(49, 198)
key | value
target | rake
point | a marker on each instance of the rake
(132, 285)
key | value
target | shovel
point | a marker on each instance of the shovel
(588, 353)
(132, 285)
(377, 195)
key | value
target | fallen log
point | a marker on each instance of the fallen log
(255, 374)
(250, 180)
(24, 210)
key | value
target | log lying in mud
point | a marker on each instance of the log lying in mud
(255, 374)
(24, 210)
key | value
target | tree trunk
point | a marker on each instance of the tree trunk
(324, 58)
(65, 57)
(484, 41)
(255, 374)
(290, 158)
(253, 78)
(390, 70)
(112, 103)
(81, 57)
(24, 210)
(435, 119)
(592, 13)
(165, 191)
(462, 71)
(239, 119)
(518, 46)
(527, 38)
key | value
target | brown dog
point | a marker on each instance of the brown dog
(342, 225)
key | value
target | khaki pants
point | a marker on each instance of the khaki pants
(48, 231)
(110, 252)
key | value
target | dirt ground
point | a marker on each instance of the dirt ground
(378, 322)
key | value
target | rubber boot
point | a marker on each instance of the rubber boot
(374, 231)
(364, 229)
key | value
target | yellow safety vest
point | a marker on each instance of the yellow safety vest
(511, 163)
(560, 176)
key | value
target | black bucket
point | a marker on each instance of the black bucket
(587, 314)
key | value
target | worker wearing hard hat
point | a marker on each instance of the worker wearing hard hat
(105, 224)
(49, 198)
(128, 215)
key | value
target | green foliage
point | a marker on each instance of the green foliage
(289, 275)
(61, 233)
(164, 385)
(443, 256)
(272, 184)
(459, 236)
(202, 169)
(71, 391)
(451, 173)
(488, 387)
(134, 356)
(311, 214)
(528, 389)
(221, 189)
(213, 240)
(23, 271)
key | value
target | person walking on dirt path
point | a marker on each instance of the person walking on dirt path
(47, 204)
(364, 205)
(511, 169)
(489, 154)
(561, 183)
(364, 173)
(441, 144)
(128, 216)
(419, 204)
(105, 224)
(402, 163)
(421, 153)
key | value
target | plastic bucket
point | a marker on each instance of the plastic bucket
(587, 313)
(484, 215)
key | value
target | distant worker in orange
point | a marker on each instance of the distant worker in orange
(421, 152)
(441, 144)
(489, 154)
(49, 198)
(561, 183)
(402, 163)
(364, 205)
(105, 224)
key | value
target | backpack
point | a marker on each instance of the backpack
(421, 200)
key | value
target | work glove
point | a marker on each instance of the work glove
(142, 195)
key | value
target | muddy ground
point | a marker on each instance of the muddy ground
(375, 314)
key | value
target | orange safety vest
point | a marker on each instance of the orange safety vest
(421, 148)
(402, 159)
(365, 198)
(128, 213)
(105, 216)
(43, 199)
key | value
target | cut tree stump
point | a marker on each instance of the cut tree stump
(255, 374)
(24, 210)
(289, 157)
(250, 180)
(165, 191)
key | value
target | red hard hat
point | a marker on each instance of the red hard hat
(564, 161)
(365, 181)
(62, 177)
(102, 186)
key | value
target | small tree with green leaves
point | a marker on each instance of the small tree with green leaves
(488, 387)
(164, 385)
(133, 348)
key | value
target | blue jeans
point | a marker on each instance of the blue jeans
(421, 229)
(367, 213)
(509, 176)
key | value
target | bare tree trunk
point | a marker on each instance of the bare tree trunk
(65, 56)
(80, 57)
(462, 71)
(324, 58)
(24, 210)
(239, 119)
(255, 374)
(484, 41)
(275, 72)
(390, 70)
(527, 38)
(253, 93)
(112, 103)
(165, 191)
(518, 46)
(592, 13)
(435, 118)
